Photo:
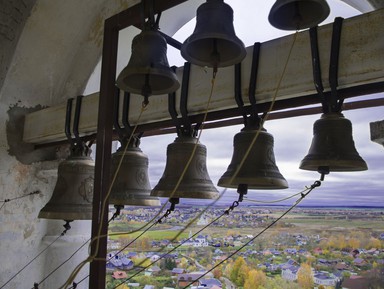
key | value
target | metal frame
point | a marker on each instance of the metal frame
(105, 135)
(112, 26)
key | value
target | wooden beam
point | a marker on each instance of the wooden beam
(360, 72)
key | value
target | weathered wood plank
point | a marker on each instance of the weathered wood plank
(361, 62)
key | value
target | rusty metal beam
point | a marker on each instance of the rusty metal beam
(112, 26)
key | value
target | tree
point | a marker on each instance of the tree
(169, 263)
(255, 279)
(374, 243)
(242, 274)
(354, 243)
(304, 276)
(218, 272)
(234, 273)
(278, 283)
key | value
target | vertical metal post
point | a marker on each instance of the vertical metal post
(103, 155)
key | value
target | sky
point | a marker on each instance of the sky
(292, 136)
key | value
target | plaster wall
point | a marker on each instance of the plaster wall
(48, 51)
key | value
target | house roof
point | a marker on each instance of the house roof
(178, 270)
(119, 275)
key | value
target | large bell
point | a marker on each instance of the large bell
(213, 42)
(196, 182)
(131, 186)
(148, 72)
(259, 170)
(298, 14)
(333, 148)
(73, 194)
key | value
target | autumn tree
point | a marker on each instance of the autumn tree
(217, 272)
(354, 243)
(374, 243)
(278, 283)
(304, 276)
(234, 273)
(242, 274)
(255, 279)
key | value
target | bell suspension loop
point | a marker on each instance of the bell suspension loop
(185, 174)
(73, 193)
(332, 147)
(129, 165)
(253, 162)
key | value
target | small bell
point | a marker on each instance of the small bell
(131, 186)
(298, 14)
(213, 42)
(196, 182)
(148, 72)
(259, 170)
(333, 148)
(73, 194)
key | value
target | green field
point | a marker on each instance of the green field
(153, 235)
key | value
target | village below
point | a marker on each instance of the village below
(195, 247)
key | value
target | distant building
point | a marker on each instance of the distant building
(177, 271)
(184, 280)
(324, 278)
(290, 273)
(210, 283)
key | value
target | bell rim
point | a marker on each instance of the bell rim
(211, 195)
(61, 215)
(275, 184)
(120, 83)
(146, 202)
(334, 165)
(187, 56)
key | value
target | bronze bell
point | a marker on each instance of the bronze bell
(196, 182)
(298, 14)
(213, 42)
(73, 194)
(259, 170)
(333, 148)
(148, 72)
(131, 186)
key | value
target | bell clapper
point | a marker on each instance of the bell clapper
(215, 57)
(323, 170)
(146, 91)
(117, 212)
(242, 189)
(66, 226)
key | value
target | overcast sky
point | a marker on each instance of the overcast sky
(292, 136)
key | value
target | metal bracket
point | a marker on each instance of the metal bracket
(335, 102)
(238, 96)
(152, 24)
(186, 127)
(316, 67)
(67, 125)
(78, 146)
(254, 117)
(172, 108)
(126, 132)
(120, 132)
